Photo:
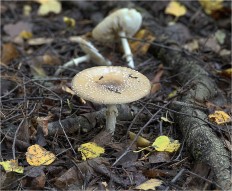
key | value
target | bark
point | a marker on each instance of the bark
(201, 140)
(88, 121)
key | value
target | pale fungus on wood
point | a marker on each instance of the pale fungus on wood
(91, 54)
(111, 85)
(120, 24)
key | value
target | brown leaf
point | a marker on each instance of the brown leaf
(153, 173)
(158, 157)
(155, 82)
(9, 53)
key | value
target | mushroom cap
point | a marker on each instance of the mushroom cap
(126, 20)
(111, 85)
(90, 50)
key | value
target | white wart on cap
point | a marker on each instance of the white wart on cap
(111, 85)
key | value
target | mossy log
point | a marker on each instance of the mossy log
(201, 140)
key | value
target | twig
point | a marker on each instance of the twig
(140, 131)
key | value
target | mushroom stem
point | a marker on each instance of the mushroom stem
(111, 114)
(73, 62)
(127, 50)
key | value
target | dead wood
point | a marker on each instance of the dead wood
(201, 140)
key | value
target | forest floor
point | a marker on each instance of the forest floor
(44, 124)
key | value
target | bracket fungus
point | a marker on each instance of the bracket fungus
(120, 24)
(91, 54)
(111, 85)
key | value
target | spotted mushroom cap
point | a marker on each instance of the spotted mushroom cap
(111, 85)
(127, 20)
(89, 49)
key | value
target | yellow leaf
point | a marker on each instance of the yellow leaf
(37, 156)
(173, 146)
(150, 184)
(90, 150)
(142, 45)
(226, 73)
(25, 34)
(176, 9)
(141, 142)
(161, 143)
(172, 94)
(48, 6)
(220, 117)
(12, 165)
(70, 22)
(211, 5)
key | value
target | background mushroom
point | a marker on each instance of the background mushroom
(91, 54)
(111, 85)
(120, 24)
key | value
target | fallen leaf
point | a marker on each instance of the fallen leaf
(163, 143)
(14, 30)
(156, 85)
(149, 184)
(27, 10)
(90, 150)
(210, 43)
(172, 94)
(49, 6)
(158, 157)
(191, 46)
(153, 173)
(9, 53)
(220, 36)
(43, 122)
(12, 165)
(226, 73)
(220, 117)
(141, 142)
(143, 42)
(70, 22)
(176, 9)
(210, 6)
(25, 34)
(37, 156)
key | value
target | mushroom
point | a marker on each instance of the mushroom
(120, 24)
(91, 54)
(111, 85)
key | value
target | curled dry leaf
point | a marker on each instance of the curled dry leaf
(9, 53)
(141, 142)
(43, 122)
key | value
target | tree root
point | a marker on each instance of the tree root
(201, 140)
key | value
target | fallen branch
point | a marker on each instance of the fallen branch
(200, 138)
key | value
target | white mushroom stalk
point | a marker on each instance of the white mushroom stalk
(91, 54)
(121, 24)
(111, 85)
(111, 115)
